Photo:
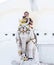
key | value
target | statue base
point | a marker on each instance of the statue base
(29, 62)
